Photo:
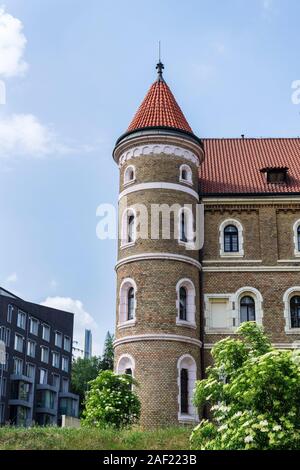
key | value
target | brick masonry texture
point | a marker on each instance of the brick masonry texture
(156, 373)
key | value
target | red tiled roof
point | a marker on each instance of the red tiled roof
(233, 165)
(159, 108)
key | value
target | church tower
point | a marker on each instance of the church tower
(158, 291)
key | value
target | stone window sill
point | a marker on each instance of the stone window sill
(127, 245)
(186, 324)
(184, 418)
(127, 324)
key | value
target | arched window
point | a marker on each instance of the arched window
(126, 365)
(247, 309)
(130, 304)
(128, 227)
(186, 303)
(187, 376)
(186, 175)
(183, 237)
(297, 238)
(129, 175)
(295, 311)
(183, 304)
(231, 239)
(127, 305)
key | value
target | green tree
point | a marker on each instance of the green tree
(83, 371)
(107, 360)
(253, 392)
(111, 401)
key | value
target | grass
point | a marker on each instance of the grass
(51, 438)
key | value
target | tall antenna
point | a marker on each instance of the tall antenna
(159, 51)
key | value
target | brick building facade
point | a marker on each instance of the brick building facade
(177, 296)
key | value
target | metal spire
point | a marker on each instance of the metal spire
(160, 66)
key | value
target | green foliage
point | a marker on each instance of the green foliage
(83, 371)
(254, 394)
(111, 401)
(107, 360)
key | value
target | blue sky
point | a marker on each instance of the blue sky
(75, 72)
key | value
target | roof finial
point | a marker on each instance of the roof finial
(160, 66)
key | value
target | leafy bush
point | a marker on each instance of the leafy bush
(111, 401)
(254, 394)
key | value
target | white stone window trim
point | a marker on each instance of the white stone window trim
(295, 231)
(187, 362)
(126, 361)
(238, 225)
(127, 181)
(123, 303)
(128, 211)
(258, 300)
(287, 310)
(233, 309)
(191, 303)
(189, 179)
(189, 224)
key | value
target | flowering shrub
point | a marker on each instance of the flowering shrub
(253, 392)
(111, 401)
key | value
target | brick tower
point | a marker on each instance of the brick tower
(158, 292)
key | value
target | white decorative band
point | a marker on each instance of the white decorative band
(167, 186)
(243, 269)
(150, 256)
(157, 337)
(275, 345)
(157, 149)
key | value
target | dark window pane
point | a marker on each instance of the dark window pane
(298, 237)
(130, 303)
(183, 237)
(247, 309)
(184, 391)
(295, 312)
(183, 304)
(130, 235)
(231, 239)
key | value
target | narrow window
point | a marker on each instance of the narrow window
(183, 237)
(183, 304)
(231, 239)
(130, 304)
(298, 238)
(247, 310)
(295, 311)
(130, 229)
(184, 391)
(10, 310)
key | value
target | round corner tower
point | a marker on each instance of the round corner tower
(158, 268)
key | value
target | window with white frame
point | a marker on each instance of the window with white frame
(67, 343)
(185, 174)
(21, 319)
(247, 309)
(128, 227)
(129, 175)
(33, 326)
(19, 343)
(46, 332)
(30, 370)
(187, 376)
(65, 364)
(291, 301)
(186, 303)
(58, 339)
(5, 335)
(127, 306)
(31, 346)
(43, 377)
(185, 226)
(55, 359)
(10, 309)
(250, 306)
(44, 354)
(126, 365)
(296, 229)
(18, 366)
(231, 238)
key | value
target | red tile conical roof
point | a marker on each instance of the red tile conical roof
(159, 109)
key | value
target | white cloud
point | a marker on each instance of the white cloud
(12, 46)
(23, 134)
(12, 278)
(82, 319)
